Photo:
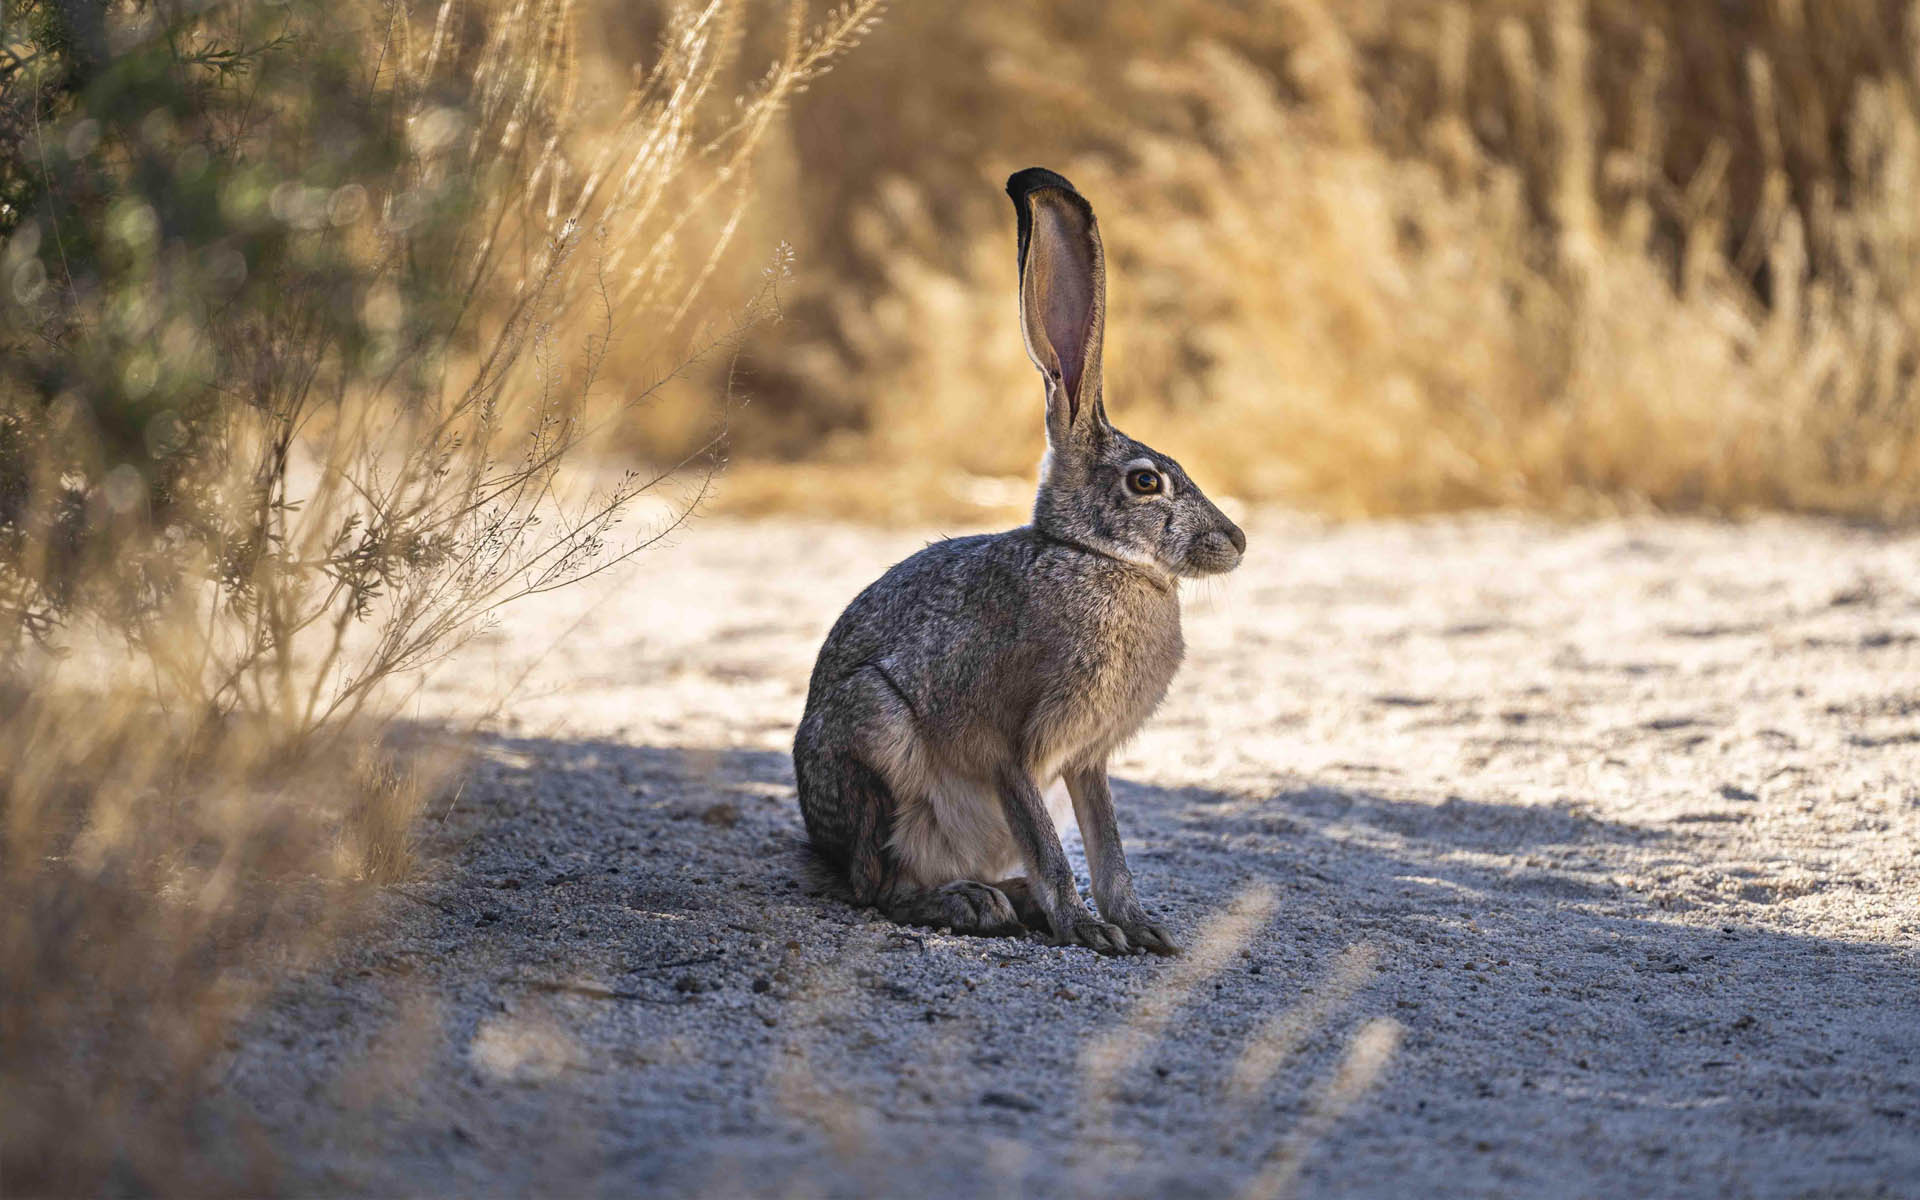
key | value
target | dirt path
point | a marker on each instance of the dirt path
(1517, 860)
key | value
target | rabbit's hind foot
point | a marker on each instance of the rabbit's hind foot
(963, 906)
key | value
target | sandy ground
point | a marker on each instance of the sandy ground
(1515, 859)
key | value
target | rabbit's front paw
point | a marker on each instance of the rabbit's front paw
(1085, 929)
(1145, 934)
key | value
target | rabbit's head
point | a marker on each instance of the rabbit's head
(1098, 487)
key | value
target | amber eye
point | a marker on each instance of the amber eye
(1144, 482)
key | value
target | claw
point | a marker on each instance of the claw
(1154, 939)
(1146, 935)
(1095, 935)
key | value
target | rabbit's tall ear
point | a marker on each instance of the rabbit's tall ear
(1063, 297)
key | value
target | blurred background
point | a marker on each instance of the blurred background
(329, 330)
(1366, 257)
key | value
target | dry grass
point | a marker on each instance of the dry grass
(225, 563)
(1371, 257)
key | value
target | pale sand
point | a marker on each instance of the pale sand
(1517, 860)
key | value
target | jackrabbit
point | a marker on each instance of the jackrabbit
(957, 688)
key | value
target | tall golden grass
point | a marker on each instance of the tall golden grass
(225, 561)
(1369, 257)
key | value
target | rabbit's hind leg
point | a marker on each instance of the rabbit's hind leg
(963, 906)
(846, 805)
(849, 813)
(853, 813)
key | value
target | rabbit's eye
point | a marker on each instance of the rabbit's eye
(1144, 482)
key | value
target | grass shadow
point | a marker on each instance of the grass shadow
(619, 976)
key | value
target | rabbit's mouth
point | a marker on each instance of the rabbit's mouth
(1215, 552)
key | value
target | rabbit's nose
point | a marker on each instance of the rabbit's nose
(1238, 539)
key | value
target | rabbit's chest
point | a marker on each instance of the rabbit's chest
(1109, 687)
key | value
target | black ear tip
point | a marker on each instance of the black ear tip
(1022, 184)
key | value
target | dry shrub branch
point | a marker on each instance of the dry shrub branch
(305, 321)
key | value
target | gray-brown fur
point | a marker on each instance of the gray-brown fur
(954, 691)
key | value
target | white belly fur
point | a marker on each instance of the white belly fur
(956, 829)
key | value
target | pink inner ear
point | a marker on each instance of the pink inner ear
(1067, 305)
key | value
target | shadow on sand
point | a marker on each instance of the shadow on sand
(619, 979)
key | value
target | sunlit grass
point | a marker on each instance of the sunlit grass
(1584, 257)
(307, 312)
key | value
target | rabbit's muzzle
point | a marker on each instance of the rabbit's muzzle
(1216, 551)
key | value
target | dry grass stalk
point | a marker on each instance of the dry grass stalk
(1587, 256)
(198, 701)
